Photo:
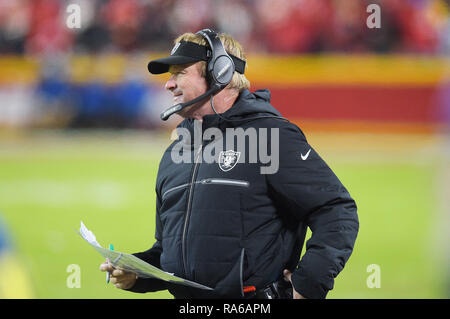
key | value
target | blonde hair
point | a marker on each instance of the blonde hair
(239, 81)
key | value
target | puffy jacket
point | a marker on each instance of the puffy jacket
(230, 228)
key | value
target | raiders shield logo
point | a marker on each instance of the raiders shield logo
(228, 160)
(175, 48)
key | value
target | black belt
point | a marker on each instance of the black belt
(280, 289)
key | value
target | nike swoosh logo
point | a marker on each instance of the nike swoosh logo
(304, 157)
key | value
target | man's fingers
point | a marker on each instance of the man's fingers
(117, 272)
(106, 267)
(118, 280)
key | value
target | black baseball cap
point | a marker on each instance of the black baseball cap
(188, 52)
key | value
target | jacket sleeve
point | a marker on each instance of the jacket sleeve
(310, 191)
(152, 256)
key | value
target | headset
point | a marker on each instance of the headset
(220, 67)
(219, 72)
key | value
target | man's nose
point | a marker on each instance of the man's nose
(171, 84)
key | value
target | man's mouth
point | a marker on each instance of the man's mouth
(177, 97)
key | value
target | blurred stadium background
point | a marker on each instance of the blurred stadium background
(81, 139)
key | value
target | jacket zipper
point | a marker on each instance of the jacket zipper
(188, 209)
(241, 271)
(174, 188)
(225, 181)
(221, 181)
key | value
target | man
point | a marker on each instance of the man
(229, 224)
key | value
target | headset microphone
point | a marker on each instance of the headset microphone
(178, 107)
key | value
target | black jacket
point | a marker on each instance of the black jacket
(227, 229)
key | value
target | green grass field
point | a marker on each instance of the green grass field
(49, 183)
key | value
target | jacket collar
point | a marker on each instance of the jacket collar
(248, 105)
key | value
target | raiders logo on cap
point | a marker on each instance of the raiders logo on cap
(175, 48)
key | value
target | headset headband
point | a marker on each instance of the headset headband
(220, 65)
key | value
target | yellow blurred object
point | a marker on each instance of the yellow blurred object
(108, 69)
(398, 70)
(18, 70)
(382, 70)
(82, 68)
(14, 282)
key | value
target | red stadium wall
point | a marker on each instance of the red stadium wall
(354, 93)
(357, 103)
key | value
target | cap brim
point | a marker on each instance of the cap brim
(159, 66)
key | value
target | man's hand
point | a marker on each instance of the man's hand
(120, 278)
(287, 276)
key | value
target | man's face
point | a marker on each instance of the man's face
(186, 83)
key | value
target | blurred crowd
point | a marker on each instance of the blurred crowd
(93, 74)
(274, 26)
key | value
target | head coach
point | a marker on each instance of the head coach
(225, 224)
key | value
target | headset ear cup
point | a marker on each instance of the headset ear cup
(220, 68)
(223, 70)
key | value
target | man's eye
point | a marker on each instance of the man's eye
(176, 73)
